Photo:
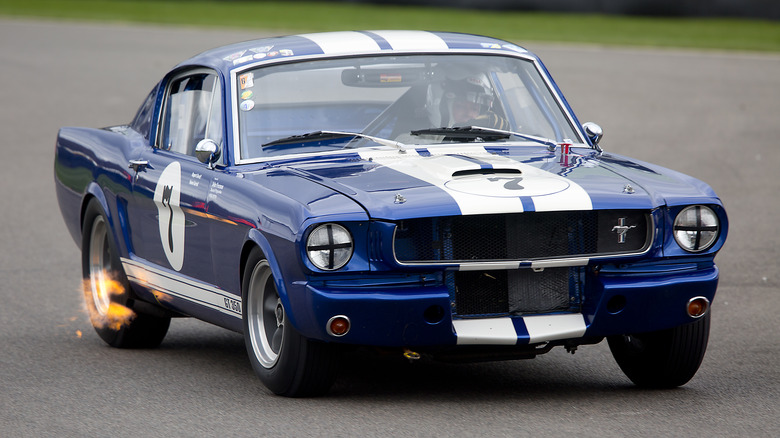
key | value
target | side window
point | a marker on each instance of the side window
(193, 112)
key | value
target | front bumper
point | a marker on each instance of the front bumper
(616, 301)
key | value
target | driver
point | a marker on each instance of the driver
(468, 102)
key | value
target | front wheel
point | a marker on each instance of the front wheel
(107, 292)
(286, 362)
(662, 359)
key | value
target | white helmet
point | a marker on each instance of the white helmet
(469, 87)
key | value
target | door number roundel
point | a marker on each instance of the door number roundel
(170, 215)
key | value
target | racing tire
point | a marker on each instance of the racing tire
(107, 293)
(286, 362)
(662, 359)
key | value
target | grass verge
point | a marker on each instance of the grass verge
(307, 16)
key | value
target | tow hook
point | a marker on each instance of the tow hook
(411, 355)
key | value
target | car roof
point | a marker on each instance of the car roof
(347, 43)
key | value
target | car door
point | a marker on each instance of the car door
(168, 205)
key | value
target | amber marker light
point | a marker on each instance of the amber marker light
(338, 326)
(698, 306)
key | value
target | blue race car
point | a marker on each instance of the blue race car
(424, 192)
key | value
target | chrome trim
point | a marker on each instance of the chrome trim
(594, 133)
(207, 152)
(560, 263)
(486, 266)
(621, 229)
(137, 164)
(533, 264)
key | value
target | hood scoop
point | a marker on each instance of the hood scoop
(487, 172)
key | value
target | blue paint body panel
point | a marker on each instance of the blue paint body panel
(274, 204)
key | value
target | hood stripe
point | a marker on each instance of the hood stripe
(381, 42)
(412, 40)
(437, 168)
(480, 163)
(341, 43)
(348, 42)
(528, 203)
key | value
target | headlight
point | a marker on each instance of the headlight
(696, 228)
(329, 246)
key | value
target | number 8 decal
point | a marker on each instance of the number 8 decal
(170, 215)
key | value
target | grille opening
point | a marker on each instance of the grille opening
(515, 292)
(521, 236)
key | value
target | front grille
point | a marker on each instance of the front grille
(515, 292)
(521, 236)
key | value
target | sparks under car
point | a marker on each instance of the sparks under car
(429, 193)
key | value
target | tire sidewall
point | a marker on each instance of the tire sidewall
(663, 359)
(93, 211)
(280, 376)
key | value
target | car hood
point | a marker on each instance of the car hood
(466, 179)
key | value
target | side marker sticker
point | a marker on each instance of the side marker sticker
(167, 194)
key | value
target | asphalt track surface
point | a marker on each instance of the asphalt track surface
(712, 115)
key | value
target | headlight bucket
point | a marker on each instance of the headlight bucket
(329, 246)
(696, 228)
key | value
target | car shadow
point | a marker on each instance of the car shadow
(373, 374)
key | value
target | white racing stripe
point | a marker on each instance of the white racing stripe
(554, 327)
(491, 331)
(412, 40)
(573, 198)
(501, 331)
(486, 194)
(183, 287)
(340, 43)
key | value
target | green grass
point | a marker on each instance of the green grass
(294, 16)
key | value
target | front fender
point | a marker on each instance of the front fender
(257, 238)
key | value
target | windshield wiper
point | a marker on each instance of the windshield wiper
(332, 135)
(478, 132)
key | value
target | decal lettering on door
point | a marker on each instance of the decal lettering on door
(167, 194)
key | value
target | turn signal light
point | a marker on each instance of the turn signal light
(338, 326)
(698, 306)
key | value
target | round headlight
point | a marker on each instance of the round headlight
(329, 246)
(696, 228)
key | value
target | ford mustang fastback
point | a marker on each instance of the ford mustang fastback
(427, 193)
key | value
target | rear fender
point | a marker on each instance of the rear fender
(112, 213)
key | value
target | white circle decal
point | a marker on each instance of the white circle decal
(508, 186)
(170, 215)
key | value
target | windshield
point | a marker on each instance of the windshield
(389, 97)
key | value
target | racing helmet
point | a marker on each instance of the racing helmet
(473, 89)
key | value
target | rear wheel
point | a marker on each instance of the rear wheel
(662, 359)
(107, 292)
(286, 362)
